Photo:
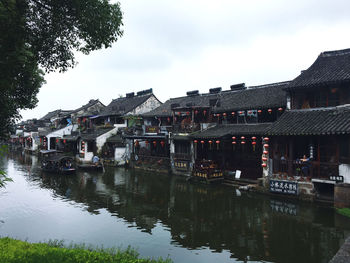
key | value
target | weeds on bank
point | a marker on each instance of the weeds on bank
(344, 211)
(15, 251)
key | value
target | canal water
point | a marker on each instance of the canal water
(162, 215)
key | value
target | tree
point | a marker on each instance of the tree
(42, 35)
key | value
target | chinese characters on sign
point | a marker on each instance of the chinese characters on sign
(180, 165)
(283, 187)
(337, 178)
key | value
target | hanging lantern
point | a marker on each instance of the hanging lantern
(137, 143)
(254, 144)
(233, 113)
(204, 112)
(264, 165)
(241, 113)
(83, 146)
(196, 112)
(259, 111)
(265, 152)
(195, 141)
(162, 143)
(224, 114)
(169, 119)
(243, 142)
(188, 113)
(269, 111)
(234, 138)
(218, 115)
(253, 138)
(64, 141)
(264, 159)
(217, 144)
(155, 143)
(210, 143)
(280, 109)
(249, 112)
(40, 140)
(242, 138)
(266, 145)
(234, 143)
(147, 142)
(57, 140)
(202, 142)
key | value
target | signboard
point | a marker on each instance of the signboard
(181, 165)
(152, 129)
(284, 187)
(337, 178)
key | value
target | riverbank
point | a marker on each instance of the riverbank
(12, 251)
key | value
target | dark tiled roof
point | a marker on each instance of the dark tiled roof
(264, 96)
(92, 135)
(58, 113)
(233, 129)
(330, 67)
(86, 106)
(115, 139)
(319, 121)
(124, 105)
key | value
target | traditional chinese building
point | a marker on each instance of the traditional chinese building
(310, 143)
(233, 148)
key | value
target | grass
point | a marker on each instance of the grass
(16, 251)
(344, 211)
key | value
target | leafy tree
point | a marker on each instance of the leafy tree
(42, 35)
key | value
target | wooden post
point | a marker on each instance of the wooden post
(290, 159)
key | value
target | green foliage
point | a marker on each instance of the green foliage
(3, 178)
(344, 211)
(44, 34)
(15, 251)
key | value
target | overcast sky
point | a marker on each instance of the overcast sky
(183, 45)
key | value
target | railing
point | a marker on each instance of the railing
(151, 162)
(309, 169)
(186, 128)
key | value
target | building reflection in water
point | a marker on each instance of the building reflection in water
(200, 216)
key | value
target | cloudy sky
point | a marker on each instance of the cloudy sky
(178, 46)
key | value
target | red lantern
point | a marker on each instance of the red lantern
(242, 137)
(264, 159)
(195, 141)
(259, 111)
(196, 112)
(154, 143)
(233, 113)
(188, 113)
(269, 111)
(253, 143)
(169, 119)
(266, 139)
(249, 112)
(241, 112)
(57, 140)
(234, 143)
(233, 138)
(204, 112)
(218, 115)
(265, 152)
(224, 114)
(162, 143)
(64, 141)
(243, 142)
(136, 143)
(264, 165)
(280, 109)
(202, 142)
(253, 138)
(147, 142)
(40, 140)
(210, 142)
(266, 145)
(217, 144)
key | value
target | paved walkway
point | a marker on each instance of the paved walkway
(343, 255)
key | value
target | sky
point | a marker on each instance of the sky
(184, 45)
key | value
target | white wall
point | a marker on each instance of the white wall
(60, 133)
(344, 170)
(101, 140)
(119, 155)
(147, 106)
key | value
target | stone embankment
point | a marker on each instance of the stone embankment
(343, 255)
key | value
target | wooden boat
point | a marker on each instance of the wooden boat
(208, 172)
(59, 164)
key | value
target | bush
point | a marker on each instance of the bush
(15, 251)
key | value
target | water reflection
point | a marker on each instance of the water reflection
(251, 227)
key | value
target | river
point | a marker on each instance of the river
(162, 215)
